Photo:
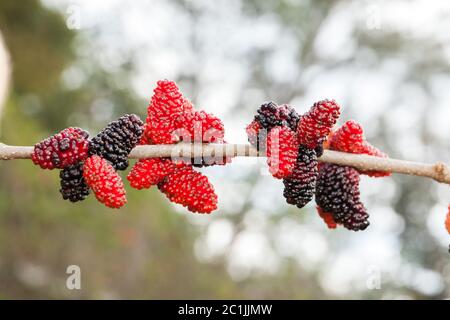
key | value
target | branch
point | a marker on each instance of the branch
(438, 171)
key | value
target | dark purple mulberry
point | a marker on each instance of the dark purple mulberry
(337, 192)
(116, 141)
(73, 186)
(300, 186)
(269, 115)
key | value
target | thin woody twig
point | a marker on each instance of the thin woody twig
(438, 171)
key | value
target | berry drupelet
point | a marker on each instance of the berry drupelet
(73, 186)
(63, 149)
(116, 141)
(300, 186)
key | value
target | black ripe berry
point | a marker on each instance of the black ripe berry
(300, 186)
(269, 115)
(116, 141)
(337, 192)
(73, 186)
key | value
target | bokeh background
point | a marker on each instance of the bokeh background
(84, 63)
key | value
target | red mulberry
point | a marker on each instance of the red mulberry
(104, 181)
(63, 149)
(252, 131)
(166, 105)
(190, 189)
(198, 126)
(350, 138)
(149, 172)
(282, 151)
(317, 123)
(116, 141)
(73, 186)
(337, 192)
(300, 186)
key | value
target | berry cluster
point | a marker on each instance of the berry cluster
(293, 143)
(171, 118)
(91, 164)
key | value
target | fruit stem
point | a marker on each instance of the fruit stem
(438, 171)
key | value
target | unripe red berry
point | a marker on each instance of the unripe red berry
(282, 151)
(149, 172)
(350, 138)
(104, 181)
(314, 126)
(198, 126)
(190, 189)
(167, 103)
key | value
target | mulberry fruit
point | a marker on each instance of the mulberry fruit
(190, 189)
(282, 151)
(116, 141)
(350, 138)
(269, 115)
(289, 116)
(317, 123)
(63, 149)
(73, 186)
(300, 186)
(198, 126)
(253, 130)
(166, 105)
(167, 100)
(337, 192)
(327, 218)
(104, 181)
(150, 172)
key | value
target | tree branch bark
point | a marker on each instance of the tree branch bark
(438, 171)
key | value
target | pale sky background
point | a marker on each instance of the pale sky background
(216, 47)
